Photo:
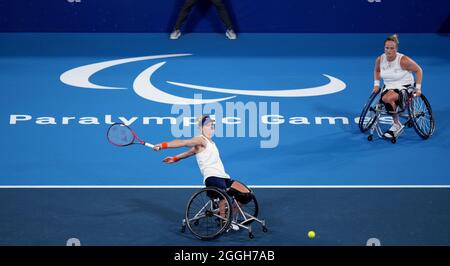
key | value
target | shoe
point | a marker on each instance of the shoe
(175, 34)
(230, 34)
(234, 227)
(394, 131)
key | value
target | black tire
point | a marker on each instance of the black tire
(201, 202)
(421, 116)
(368, 112)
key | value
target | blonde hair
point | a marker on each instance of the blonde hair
(392, 38)
(199, 120)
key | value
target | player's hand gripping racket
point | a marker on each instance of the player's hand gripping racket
(121, 135)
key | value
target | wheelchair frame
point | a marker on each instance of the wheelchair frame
(379, 111)
(210, 208)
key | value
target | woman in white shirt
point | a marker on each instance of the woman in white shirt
(208, 158)
(396, 70)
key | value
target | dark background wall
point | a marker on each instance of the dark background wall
(249, 16)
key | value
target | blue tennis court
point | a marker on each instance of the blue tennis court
(59, 130)
(60, 174)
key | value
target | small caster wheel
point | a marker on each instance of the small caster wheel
(183, 229)
(370, 138)
(410, 124)
(196, 223)
(251, 236)
(264, 229)
(394, 140)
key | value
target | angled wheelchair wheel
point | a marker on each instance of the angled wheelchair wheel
(368, 114)
(208, 213)
(421, 115)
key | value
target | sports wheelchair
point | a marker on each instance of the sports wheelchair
(419, 115)
(207, 219)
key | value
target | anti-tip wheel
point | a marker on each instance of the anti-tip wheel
(370, 138)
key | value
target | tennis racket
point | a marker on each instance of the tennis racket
(122, 135)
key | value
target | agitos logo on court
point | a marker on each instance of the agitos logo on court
(142, 85)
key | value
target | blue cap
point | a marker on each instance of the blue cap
(206, 119)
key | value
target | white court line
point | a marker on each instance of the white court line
(252, 186)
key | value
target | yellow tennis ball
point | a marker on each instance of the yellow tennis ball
(311, 234)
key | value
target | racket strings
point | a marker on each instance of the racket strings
(120, 135)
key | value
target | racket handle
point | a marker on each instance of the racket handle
(149, 145)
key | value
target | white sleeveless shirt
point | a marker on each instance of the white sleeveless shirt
(209, 161)
(393, 75)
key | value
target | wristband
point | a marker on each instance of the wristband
(376, 83)
(175, 158)
(418, 86)
(164, 145)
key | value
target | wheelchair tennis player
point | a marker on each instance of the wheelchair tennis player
(396, 70)
(209, 162)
